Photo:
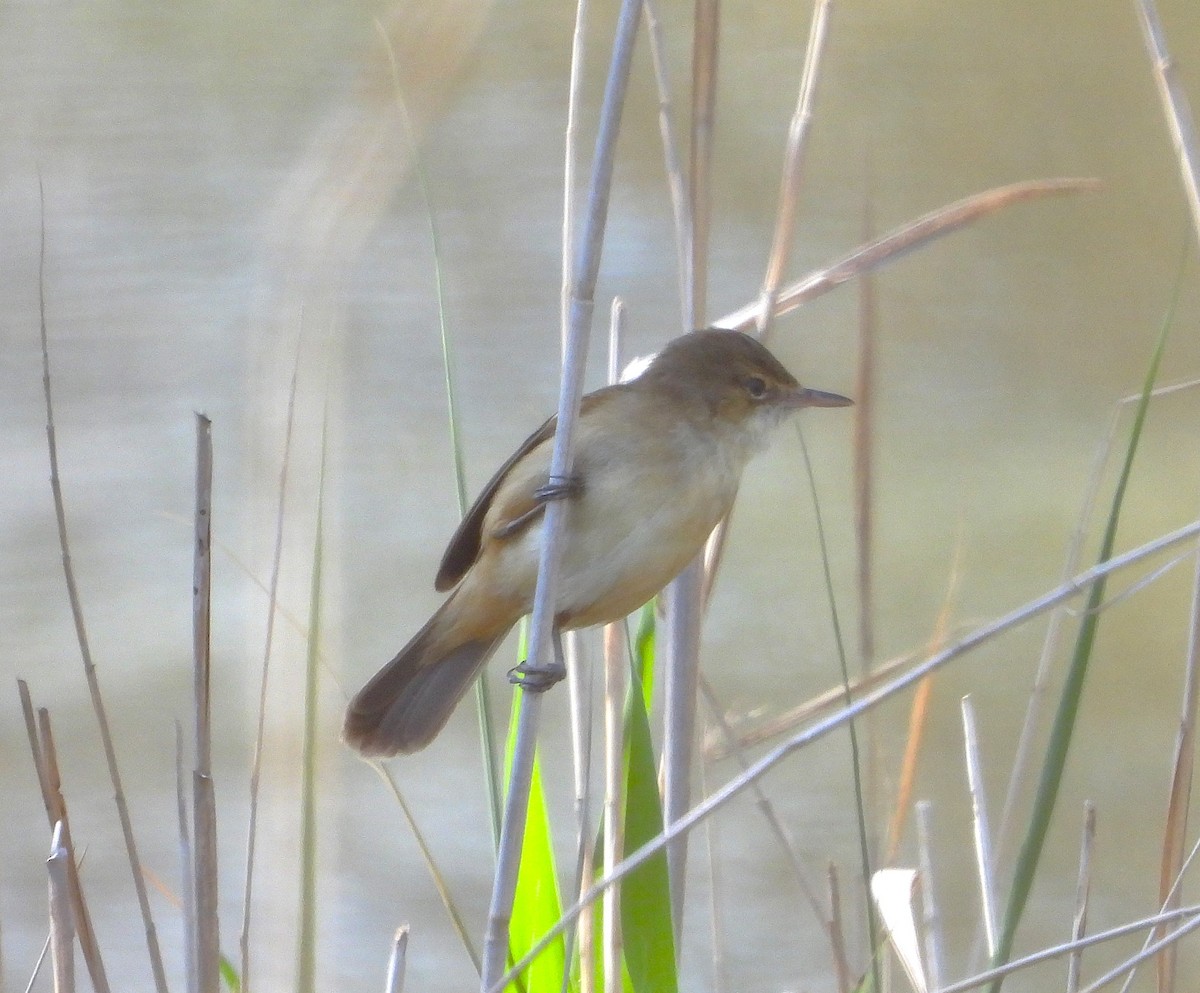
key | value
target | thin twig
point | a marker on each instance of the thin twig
(85, 651)
(980, 636)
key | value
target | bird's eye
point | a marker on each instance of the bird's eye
(756, 387)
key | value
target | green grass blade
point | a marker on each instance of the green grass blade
(864, 844)
(646, 919)
(537, 903)
(483, 701)
(1068, 707)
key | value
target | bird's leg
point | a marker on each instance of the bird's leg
(539, 678)
(555, 488)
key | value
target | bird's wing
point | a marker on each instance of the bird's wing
(519, 511)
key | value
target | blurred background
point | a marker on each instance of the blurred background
(230, 191)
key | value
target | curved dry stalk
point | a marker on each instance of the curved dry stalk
(899, 241)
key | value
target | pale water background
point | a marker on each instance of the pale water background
(221, 175)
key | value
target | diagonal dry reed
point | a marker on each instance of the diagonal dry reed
(85, 651)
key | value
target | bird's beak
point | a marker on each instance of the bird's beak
(804, 397)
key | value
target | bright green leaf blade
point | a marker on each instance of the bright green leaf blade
(646, 927)
(537, 905)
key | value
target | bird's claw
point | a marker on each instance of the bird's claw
(536, 678)
(558, 488)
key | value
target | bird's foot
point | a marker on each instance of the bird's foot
(559, 488)
(537, 678)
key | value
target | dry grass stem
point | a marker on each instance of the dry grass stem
(1189, 914)
(1179, 799)
(1176, 108)
(680, 201)
(616, 654)
(1166, 919)
(902, 240)
(45, 761)
(705, 46)
(764, 805)
(793, 165)
(931, 918)
(186, 857)
(716, 903)
(62, 929)
(980, 636)
(717, 747)
(204, 804)
(85, 651)
(837, 932)
(979, 824)
(396, 961)
(260, 729)
(918, 718)
(1083, 887)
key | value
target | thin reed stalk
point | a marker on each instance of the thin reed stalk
(1023, 614)
(616, 666)
(204, 802)
(931, 917)
(980, 825)
(396, 961)
(62, 928)
(705, 46)
(583, 287)
(85, 651)
(1176, 108)
(1083, 887)
(45, 762)
(793, 169)
(306, 930)
(186, 860)
(260, 729)
(1179, 798)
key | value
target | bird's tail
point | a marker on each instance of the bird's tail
(410, 699)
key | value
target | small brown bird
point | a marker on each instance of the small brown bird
(657, 465)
